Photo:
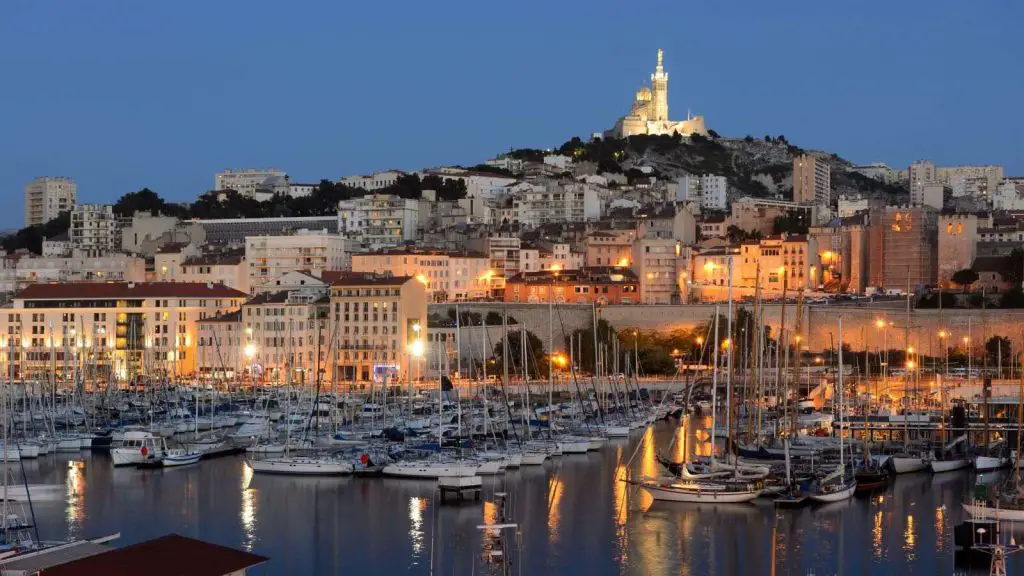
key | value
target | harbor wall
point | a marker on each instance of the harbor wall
(819, 322)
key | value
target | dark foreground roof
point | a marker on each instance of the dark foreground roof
(170, 555)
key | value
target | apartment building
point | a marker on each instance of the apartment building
(287, 337)
(555, 202)
(610, 247)
(590, 284)
(228, 268)
(379, 220)
(95, 230)
(447, 276)
(252, 182)
(124, 330)
(47, 197)
(373, 182)
(770, 262)
(268, 257)
(377, 320)
(812, 180)
(660, 269)
(550, 256)
(220, 348)
(110, 268)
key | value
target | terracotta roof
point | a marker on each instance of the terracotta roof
(170, 555)
(117, 290)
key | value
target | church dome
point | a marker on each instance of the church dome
(643, 94)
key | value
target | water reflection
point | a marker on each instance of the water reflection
(555, 489)
(876, 535)
(248, 513)
(75, 493)
(416, 507)
(909, 538)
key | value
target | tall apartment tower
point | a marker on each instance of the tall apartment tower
(812, 180)
(47, 197)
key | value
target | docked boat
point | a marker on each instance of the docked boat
(950, 458)
(179, 457)
(869, 480)
(698, 492)
(431, 468)
(137, 447)
(301, 466)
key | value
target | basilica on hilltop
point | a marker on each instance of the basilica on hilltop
(649, 114)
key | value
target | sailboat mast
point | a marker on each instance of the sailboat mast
(714, 385)
(842, 462)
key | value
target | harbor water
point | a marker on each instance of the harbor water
(573, 514)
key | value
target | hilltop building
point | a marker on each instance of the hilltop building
(649, 114)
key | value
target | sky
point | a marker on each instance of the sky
(122, 94)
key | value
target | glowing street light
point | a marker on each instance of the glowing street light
(416, 348)
(416, 328)
(879, 323)
(250, 351)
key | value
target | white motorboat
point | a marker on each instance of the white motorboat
(513, 460)
(595, 442)
(613, 431)
(302, 466)
(10, 453)
(137, 448)
(707, 493)
(574, 446)
(179, 457)
(835, 492)
(949, 465)
(431, 468)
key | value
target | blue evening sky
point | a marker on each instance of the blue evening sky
(122, 94)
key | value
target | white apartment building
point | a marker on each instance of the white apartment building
(1009, 195)
(556, 203)
(249, 181)
(373, 182)
(120, 329)
(95, 230)
(478, 184)
(713, 192)
(268, 257)
(47, 197)
(379, 220)
(447, 276)
(812, 180)
(108, 268)
(974, 181)
(297, 190)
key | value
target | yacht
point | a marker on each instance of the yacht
(137, 447)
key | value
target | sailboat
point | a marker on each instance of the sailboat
(950, 458)
(839, 485)
(994, 458)
(792, 496)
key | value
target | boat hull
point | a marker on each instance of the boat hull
(986, 463)
(837, 496)
(907, 465)
(183, 460)
(414, 470)
(939, 466)
(670, 494)
(300, 467)
(988, 512)
(534, 458)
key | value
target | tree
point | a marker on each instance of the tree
(931, 300)
(735, 234)
(714, 135)
(585, 357)
(964, 278)
(536, 361)
(792, 223)
(656, 360)
(748, 138)
(1012, 298)
(999, 349)
(144, 200)
(1012, 267)
(31, 237)
(465, 318)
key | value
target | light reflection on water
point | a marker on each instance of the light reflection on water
(574, 515)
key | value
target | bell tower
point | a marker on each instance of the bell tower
(659, 91)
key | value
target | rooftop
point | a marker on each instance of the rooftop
(235, 316)
(371, 280)
(170, 555)
(127, 290)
